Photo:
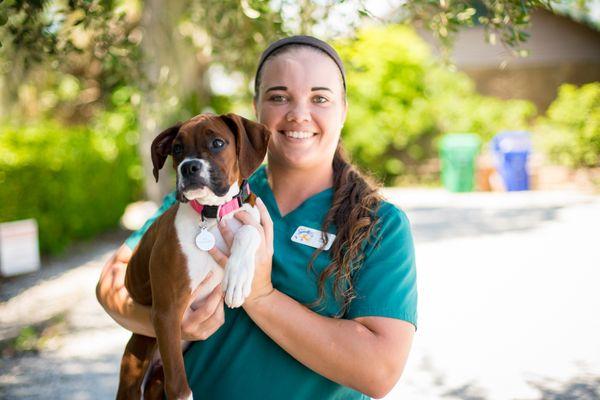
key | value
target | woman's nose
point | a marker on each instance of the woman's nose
(298, 113)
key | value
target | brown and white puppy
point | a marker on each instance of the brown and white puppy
(212, 155)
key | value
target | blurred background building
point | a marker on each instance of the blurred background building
(561, 49)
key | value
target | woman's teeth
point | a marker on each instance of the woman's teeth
(298, 134)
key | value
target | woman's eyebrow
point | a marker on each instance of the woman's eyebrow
(276, 88)
(285, 88)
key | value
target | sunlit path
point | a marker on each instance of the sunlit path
(509, 298)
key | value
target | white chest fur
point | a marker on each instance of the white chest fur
(199, 262)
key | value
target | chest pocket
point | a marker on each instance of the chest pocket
(291, 274)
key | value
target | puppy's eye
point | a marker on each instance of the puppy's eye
(177, 149)
(218, 143)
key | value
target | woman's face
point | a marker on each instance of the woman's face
(301, 100)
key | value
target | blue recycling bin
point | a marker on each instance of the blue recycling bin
(511, 151)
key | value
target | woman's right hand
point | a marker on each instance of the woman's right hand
(203, 317)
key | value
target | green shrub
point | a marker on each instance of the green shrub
(570, 131)
(75, 181)
(401, 100)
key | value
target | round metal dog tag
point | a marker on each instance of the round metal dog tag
(205, 240)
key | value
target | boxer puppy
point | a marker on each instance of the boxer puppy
(212, 156)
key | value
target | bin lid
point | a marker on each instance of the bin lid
(460, 141)
(511, 142)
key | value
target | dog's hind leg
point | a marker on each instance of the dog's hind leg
(136, 360)
(154, 386)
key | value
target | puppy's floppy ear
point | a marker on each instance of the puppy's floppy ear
(161, 147)
(251, 140)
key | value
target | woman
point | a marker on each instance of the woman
(319, 324)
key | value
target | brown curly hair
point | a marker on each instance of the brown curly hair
(353, 212)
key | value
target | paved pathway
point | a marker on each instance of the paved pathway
(509, 305)
(509, 299)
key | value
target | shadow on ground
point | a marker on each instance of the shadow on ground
(437, 223)
(584, 387)
(80, 378)
(469, 391)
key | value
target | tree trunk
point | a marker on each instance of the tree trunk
(172, 71)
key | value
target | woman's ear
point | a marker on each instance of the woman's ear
(254, 108)
(345, 112)
(161, 147)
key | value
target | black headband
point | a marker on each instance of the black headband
(300, 40)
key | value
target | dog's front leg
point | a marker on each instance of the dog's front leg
(239, 270)
(167, 312)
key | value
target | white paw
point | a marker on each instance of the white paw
(237, 282)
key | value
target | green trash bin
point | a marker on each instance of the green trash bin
(457, 155)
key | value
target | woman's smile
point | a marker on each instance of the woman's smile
(298, 135)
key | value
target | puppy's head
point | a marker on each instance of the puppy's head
(211, 155)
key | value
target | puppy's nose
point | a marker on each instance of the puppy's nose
(190, 168)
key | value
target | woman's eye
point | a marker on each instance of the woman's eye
(177, 149)
(277, 98)
(218, 143)
(320, 99)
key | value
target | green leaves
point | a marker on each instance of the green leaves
(504, 21)
(570, 130)
(75, 181)
(88, 40)
(401, 99)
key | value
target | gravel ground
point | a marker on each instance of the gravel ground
(509, 305)
(81, 358)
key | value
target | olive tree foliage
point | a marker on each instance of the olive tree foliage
(504, 21)
(83, 50)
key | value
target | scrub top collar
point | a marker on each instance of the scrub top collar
(317, 200)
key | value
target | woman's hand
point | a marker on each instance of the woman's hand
(203, 317)
(261, 283)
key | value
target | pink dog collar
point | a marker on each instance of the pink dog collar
(224, 209)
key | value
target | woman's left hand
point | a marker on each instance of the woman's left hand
(261, 284)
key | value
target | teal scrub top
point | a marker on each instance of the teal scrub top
(241, 361)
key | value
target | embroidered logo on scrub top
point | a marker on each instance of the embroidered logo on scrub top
(312, 237)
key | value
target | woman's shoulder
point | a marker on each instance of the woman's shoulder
(391, 226)
(390, 214)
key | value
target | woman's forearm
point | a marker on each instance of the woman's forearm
(115, 299)
(344, 351)
(133, 317)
